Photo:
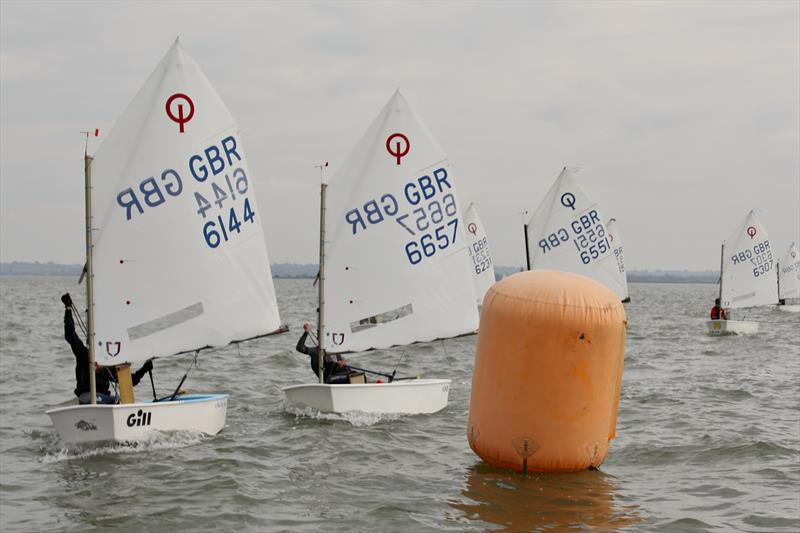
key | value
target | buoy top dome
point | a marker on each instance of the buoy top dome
(557, 288)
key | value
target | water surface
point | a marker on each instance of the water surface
(708, 437)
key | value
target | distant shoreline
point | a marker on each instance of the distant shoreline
(309, 271)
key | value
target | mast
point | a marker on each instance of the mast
(87, 170)
(527, 252)
(321, 302)
(721, 263)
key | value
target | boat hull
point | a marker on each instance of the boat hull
(788, 308)
(202, 413)
(718, 328)
(418, 396)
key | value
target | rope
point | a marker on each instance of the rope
(193, 364)
(77, 318)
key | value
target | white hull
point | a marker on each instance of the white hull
(789, 308)
(418, 396)
(718, 328)
(203, 413)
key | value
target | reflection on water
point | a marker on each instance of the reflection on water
(552, 502)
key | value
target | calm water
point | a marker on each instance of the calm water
(708, 438)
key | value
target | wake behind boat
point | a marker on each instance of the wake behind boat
(176, 260)
(394, 266)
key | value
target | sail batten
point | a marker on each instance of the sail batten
(567, 232)
(749, 276)
(180, 261)
(396, 255)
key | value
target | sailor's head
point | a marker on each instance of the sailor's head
(716, 301)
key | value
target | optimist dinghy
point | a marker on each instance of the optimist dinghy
(175, 254)
(394, 266)
(747, 276)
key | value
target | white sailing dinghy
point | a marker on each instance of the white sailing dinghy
(567, 233)
(747, 276)
(176, 259)
(616, 248)
(394, 267)
(789, 279)
(479, 253)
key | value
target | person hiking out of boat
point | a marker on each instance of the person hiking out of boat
(333, 372)
(716, 310)
(103, 375)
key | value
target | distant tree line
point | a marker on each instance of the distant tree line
(310, 270)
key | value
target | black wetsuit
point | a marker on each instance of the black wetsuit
(331, 373)
(103, 376)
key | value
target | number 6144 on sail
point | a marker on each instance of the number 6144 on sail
(218, 230)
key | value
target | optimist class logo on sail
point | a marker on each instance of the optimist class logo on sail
(218, 182)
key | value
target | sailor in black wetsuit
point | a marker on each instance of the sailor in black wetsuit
(333, 372)
(103, 376)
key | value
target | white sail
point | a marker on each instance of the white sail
(567, 233)
(789, 274)
(749, 276)
(615, 239)
(180, 261)
(479, 253)
(397, 269)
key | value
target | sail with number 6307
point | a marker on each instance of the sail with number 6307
(749, 276)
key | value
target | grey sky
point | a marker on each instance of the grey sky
(682, 116)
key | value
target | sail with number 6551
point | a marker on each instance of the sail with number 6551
(568, 233)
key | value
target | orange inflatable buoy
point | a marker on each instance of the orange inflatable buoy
(547, 375)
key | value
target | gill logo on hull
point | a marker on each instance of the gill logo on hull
(139, 418)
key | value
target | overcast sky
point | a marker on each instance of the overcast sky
(682, 116)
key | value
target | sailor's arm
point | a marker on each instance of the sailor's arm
(139, 374)
(69, 333)
(301, 344)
